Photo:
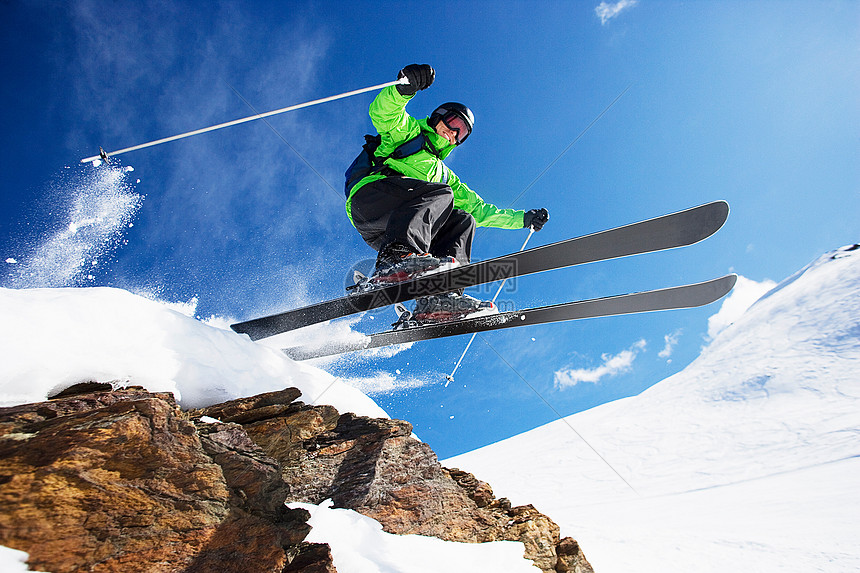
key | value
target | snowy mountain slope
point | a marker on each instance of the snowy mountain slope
(749, 456)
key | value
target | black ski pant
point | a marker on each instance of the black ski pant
(415, 213)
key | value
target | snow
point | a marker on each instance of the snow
(54, 338)
(748, 459)
(364, 547)
(13, 561)
(743, 296)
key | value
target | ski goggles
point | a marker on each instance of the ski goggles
(457, 124)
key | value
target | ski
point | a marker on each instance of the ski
(679, 297)
(666, 232)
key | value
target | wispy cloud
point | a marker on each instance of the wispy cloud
(670, 342)
(606, 11)
(612, 365)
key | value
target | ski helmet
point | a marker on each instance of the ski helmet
(456, 116)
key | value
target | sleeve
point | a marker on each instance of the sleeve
(485, 214)
(389, 117)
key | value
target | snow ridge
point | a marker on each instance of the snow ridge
(54, 338)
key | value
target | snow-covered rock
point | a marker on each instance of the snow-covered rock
(367, 547)
(91, 349)
(54, 338)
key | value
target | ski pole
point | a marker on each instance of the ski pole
(105, 154)
(450, 377)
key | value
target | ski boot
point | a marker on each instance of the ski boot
(409, 267)
(449, 306)
(393, 268)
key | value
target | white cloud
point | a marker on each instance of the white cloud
(671, 341)
(606, 11)
(612, 366)
(743, 296)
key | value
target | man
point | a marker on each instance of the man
(412, 208)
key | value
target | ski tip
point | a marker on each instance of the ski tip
(720, 208)
(711, 217)
(247, 329)
(720, 287)
(731, 280)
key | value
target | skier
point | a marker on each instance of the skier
(412, 208)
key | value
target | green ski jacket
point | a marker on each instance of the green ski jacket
(388, 113)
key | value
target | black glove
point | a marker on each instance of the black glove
(420, 77)
(536, 218)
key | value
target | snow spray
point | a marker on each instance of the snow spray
(91, 208)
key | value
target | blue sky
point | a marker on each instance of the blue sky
(752, 102)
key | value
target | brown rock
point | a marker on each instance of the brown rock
(122, 481)
(372, 466)
(537, 532)
(312, 558)
(571, 558)
(376, 467)
(83, 388)
(479, 491)
(284, 437)
(246, 410)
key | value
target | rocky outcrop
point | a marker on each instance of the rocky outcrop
(375, 467)
(570, 558)
(125, 481)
